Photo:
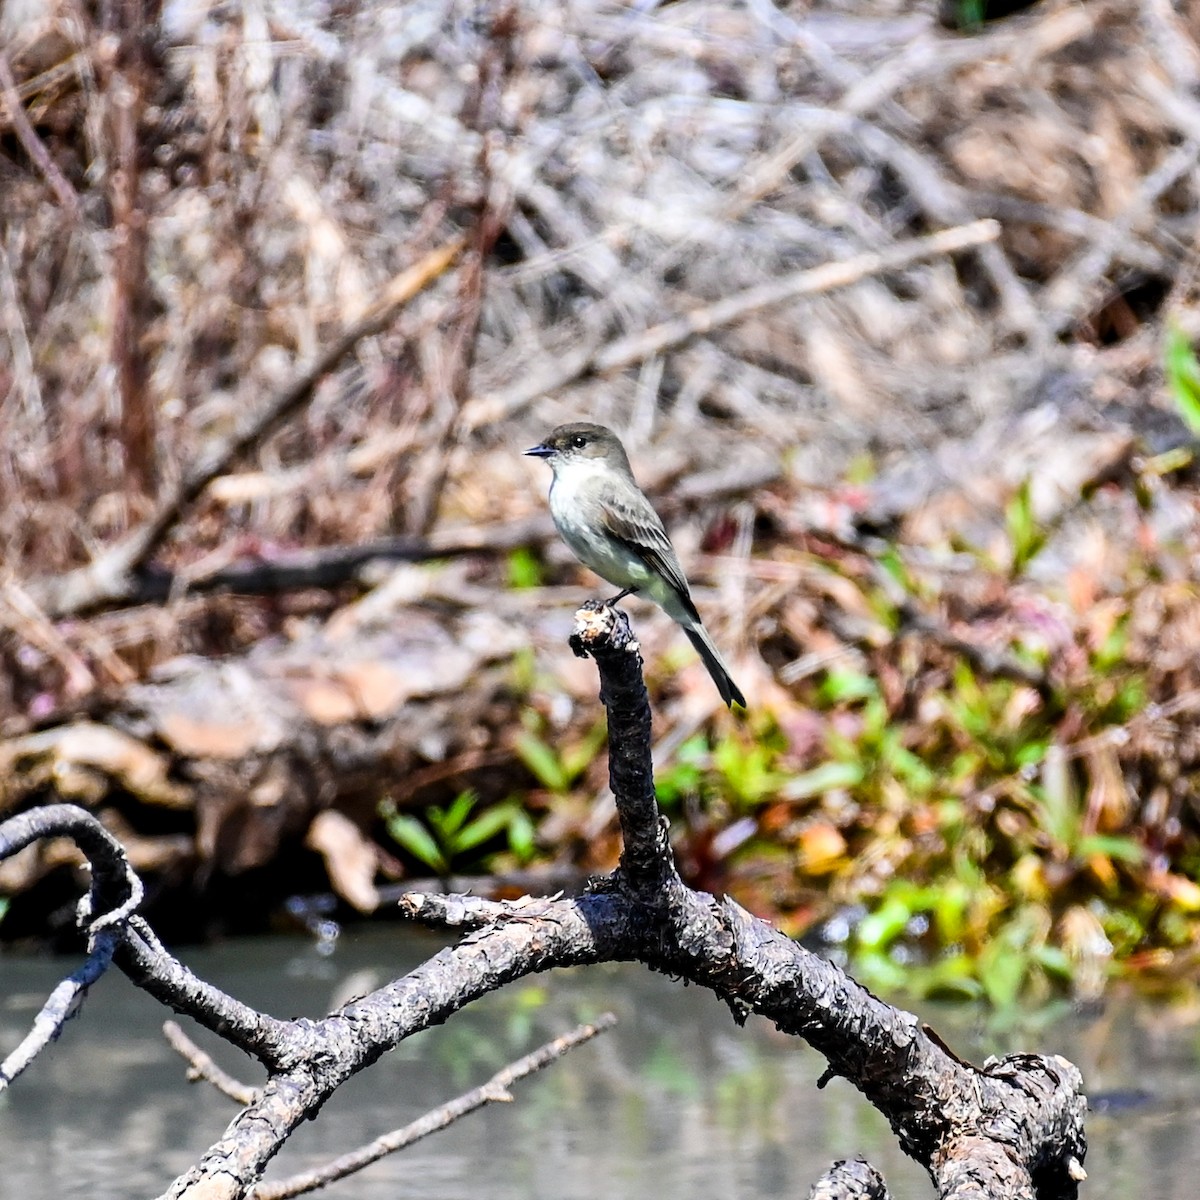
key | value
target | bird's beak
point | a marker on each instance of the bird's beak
(539, 451)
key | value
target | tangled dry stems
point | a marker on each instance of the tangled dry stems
(647, 163)
(610, 171)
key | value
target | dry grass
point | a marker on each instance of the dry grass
(196, 206)
(291, 159)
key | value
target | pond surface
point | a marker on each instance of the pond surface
(675, 1103)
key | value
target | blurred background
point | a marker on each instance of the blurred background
(894, 306)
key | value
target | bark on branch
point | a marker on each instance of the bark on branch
(1011, 1130)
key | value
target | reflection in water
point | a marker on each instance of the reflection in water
(676, 1100)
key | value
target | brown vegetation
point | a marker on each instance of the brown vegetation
(856, 288)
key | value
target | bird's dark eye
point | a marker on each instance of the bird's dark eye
(579, 441)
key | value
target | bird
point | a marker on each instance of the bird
(610, 526)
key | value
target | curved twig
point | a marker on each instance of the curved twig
(116, 890)
(61, 1005)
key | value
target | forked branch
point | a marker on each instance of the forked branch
(1011, 1130)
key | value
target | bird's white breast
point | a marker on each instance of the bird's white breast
(574, 507)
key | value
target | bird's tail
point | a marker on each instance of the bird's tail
(698, 636)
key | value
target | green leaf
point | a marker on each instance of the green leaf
(895, 566)
(1059, 811)
(449, 821)
(908, 768)
(747, 769)
(1123, 849)
(1002, 969)
(522, 836)
(1025, 534)
(485, 827)
(524, 569)
(576, 761)
(1178, 458)
(950, 912)
(410, 835)
(1129, 701)
(842, 687)
(1183, 377)
(543, 763)
(523, 667)
(1032, 752)
(1054, 961)
(1111, 652)
(879, 972)
(950, 978)
(824, 778)
(879, 929)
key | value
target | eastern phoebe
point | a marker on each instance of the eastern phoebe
(610, 527)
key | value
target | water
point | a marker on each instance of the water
(675, 1102)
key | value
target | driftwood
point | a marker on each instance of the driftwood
(295, 739)
(1011, 1129)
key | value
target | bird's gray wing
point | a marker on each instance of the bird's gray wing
(631, 520)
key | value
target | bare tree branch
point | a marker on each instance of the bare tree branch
(129, 70)
(496, 1090)
(62, 1004)
(34, 146)
(202, 1066)
(850, 1179)
(668, 335)
(1012, 1130)
(331, 566)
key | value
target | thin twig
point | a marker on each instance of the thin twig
(33, 145)
(1074, 288)
(811, 282)
(926, 58)
(329, 566)
(495, 1090)
(483, 115)
(109, 579)
(202, 1066)
(668, 335)
(20, 614)
(61, 1005)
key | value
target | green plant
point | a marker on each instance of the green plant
(524, 569)
(447, 835)
(686, 772)
(746, 765)
(1026, 535)
(1060, 816)
(1183, 376)
(557, 768)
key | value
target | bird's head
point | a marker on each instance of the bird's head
(581, 441)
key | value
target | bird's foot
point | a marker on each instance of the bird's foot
(619, 597)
